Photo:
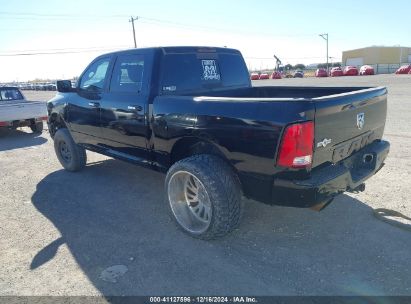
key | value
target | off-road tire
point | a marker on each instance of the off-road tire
(223, 188)
(78, 156)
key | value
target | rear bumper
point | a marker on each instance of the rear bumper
(327, 182)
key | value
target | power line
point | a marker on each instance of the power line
(143, 19)
(215, 29)
(56, 53)
(72, 49)
(289, 58)
(60, 15)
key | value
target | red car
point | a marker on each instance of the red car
(367, 70)
(350, 71)
(405, 69)
(336, 72)
(321, 73)
(264, 76)
(276, 75)
(254, 76)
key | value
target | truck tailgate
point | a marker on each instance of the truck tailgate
(345, 123)
(22, 110)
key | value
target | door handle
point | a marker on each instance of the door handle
(94, 104)
(135, 108)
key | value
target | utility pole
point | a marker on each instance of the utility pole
(331, 61)
(325, 37)
(134, 31)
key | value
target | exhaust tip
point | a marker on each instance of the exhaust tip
(321, 206)
(360, 188)
(367, 158)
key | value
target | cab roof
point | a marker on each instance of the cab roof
(177, 50)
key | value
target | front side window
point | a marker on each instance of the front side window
(10, 94)
(94, 77)
(128, 74)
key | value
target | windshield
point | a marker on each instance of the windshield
(10, 94)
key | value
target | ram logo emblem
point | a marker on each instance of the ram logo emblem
(324, 143)
(360, 120)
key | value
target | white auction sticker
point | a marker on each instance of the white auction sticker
(210, 71)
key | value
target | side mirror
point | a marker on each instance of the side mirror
(64, 86)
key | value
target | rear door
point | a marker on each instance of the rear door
(345, 123)
(124, 121)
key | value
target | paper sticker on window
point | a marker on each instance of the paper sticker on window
(210, 71)
(170, 88)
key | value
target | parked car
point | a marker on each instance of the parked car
(405, 69)
(367, 70)
(298, 74)
(350, 71)
(321, 73)
(276, 75)
(215, 135)
(254, 76)
(16, 111)
(336, 72)
(264, 76)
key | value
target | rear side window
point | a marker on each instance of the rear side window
(190, 72)
(94, 77)
(181, 72)
(10, 94)
(128, 74)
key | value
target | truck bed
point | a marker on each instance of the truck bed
(265, 110)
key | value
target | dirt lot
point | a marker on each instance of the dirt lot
(60, 232)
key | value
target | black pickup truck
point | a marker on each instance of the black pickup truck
(192, 112)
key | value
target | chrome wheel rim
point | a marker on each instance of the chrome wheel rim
(65, 151)
(189, 201)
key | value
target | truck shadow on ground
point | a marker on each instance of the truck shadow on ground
(20, 138)
(113, 213)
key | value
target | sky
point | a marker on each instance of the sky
(52, 39)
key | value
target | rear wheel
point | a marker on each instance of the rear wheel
(37, 127)
(71, 156)
(204, 196)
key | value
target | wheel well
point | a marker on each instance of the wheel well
(56, 122)
(187, 147)
(190, 146)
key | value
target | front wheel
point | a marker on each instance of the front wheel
(204, 196)
(71, 156)
(37, 127)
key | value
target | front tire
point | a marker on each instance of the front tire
(204, 196)
(71, 156)
(37, 127)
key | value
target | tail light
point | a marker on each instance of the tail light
(296, 148)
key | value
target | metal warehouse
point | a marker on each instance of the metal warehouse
(383, 59)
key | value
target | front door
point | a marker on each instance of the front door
(84, 107)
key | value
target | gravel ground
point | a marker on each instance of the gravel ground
(105, 230)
